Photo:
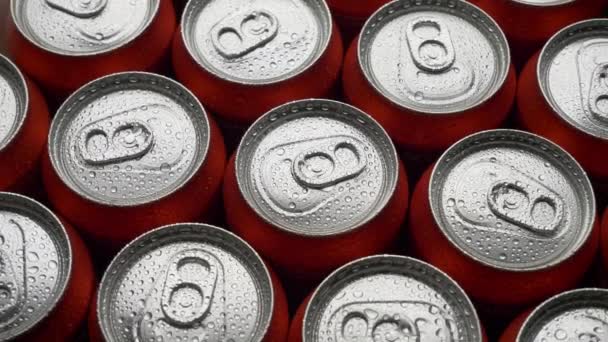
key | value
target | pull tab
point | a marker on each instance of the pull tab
(335, 161)
(430, 45)
(239, 34)
(12, 272)
(111, 141)
(79, 8)
(598, 93)
(526, 204)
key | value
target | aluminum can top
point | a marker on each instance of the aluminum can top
(13, 101)
(544, 3)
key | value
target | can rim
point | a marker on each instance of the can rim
(583, 238)
(337, 274)
(329, 24)
(444, 113)
(146, 25)
(4, 60)
(555, 3)
(202, 227)
(375, 213)
(45, 212)
(57, 120)
(542, 83)
(537, 313)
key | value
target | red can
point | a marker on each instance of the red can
(243, 58)
(579, 315)
(392, 297)
(528, 24)
(24, 127)
(420, 68)
(562, 94)
(129, 152)
(604, 244)
(315, 178)
(507, 214)
(47, 276)
(190, 282)
(351, 15)
(64, 44)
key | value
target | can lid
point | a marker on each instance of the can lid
(13, 101)
(512, 200)
(256, 42)
(129, 139)
(390, 298)
(439, 57)
(186, 282)
(317, 168)
(544, 3)
(573, 76)
(82, 27)
(35, 264)
(579, 315)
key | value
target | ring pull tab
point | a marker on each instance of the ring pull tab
(336, 160)
(189, 287)
(527, 205)
(79, 8)
(107, 142)
(12, 273)
(430, 45)
(243, 32)
(598, 93)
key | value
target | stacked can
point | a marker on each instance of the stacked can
(47, 277)
(509, 215)
(316, 177)
(243, 58)
(130, 152)
(387, 298)
(24, 126)
(63, 44)
(580, 315)
(194, 283)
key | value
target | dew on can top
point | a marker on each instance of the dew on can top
(573, 74)
(35, 264)
(83, 27)
(512, 200)
(129, 139)
(186, 282)
(440, 57)
(317, 167)
(13, 101)
(256, 42)
(390, 298)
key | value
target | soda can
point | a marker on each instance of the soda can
(130, 152)
(563, 94)
(528, 24)
(191, 282)
(604, 246)
(24, 126)
(64, 44)
(507, 214)
(243, 58)
(351, 15)
(316, 177)
(423, 67)
(579, 315)
(47, 276)
(387, 298)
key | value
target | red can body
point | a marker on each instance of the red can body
(351, 16)
(510, 334)
(604, 244)
(61, 74)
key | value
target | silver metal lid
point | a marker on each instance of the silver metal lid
(573, 75)
(390, 298)
(316, 167)
(256, 42)
(35, 264)
(129, 139)
(512, 200)
(186, 282)
(13, 101)
(436, 57)
(576, 316)
(82, 27)
(544, 3)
